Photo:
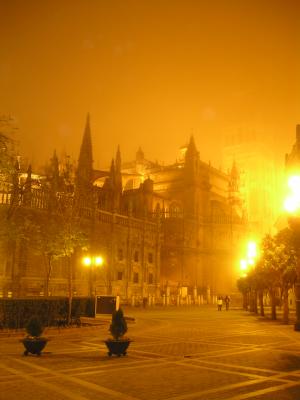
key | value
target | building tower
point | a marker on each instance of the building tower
(118, 180)
(84, 173)
(190, 176)
(292, 160)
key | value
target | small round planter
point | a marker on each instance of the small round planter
(117, 347)
(34, 345)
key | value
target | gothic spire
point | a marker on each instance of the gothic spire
(234, 178)
(118, 159)
(84, 173)
(191, 149)
(112, 174)
(118, 171)
(140, 156)
(191, 158)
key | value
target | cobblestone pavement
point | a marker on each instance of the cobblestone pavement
(176, 354)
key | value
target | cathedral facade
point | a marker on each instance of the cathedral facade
(166, 233)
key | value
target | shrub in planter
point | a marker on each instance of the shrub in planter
(34, 343)
(34, 327)
(119, 344)
(118, 326)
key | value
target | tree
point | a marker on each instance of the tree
(7, 147)
(46, 243)
(70, 237)
(260, 282)
(64, 233)
(270, 264)
(17, 232)
(244, 288)
(58, 235)
(275, 271)
(287, 259)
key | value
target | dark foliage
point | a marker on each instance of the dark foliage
(118, 326)
(34, 327)
(16, 313)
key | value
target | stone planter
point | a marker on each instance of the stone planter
(34, 345)
(117, 347)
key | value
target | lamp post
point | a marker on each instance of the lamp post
(91, 263)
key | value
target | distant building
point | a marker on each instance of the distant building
(260, 179)
(168, 233)
(202, 219)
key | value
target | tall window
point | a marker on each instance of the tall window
(120, 275)
(136, 256)
(150, 278)
(150, 258)
(135, 277)
(175, 210)
(120, 254)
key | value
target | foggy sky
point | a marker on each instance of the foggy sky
(150, 72)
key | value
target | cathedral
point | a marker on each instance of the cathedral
(170, 234)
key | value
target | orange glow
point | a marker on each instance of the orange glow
(244, 265)
(251, 250)
(99, 260)
(152, 85)
(292, 202)
(250, 258)
(89, 261)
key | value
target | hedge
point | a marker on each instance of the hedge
(15, 313)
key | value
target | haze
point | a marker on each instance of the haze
(150, 73)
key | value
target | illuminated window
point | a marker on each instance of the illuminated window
(135, 277)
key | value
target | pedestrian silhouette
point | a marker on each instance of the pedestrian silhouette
(227, 301)
(220, 303)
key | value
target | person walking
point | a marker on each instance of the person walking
(220, 303)
(145, 302)
(227, 301)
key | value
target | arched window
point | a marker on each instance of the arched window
(175, 210)
(157, 209)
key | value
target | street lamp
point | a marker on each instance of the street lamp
(246, 263)
(243, 267)
(292, 207)
(89, 261)
(292, 201)
(92, 262)
(251, 256)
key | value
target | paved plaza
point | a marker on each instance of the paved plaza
(176, 354)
